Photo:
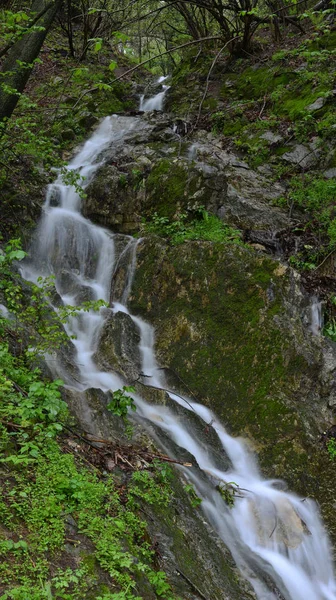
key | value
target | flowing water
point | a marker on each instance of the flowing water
(276, 538)
(154, 102)
(316, 317)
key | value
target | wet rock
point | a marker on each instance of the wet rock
(247, 203)
(147, 174)
(118, 347)
(187, 548)
(87, 121)
(239, 343)
(68, 134)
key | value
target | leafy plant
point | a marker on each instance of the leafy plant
(227, 492)
(331, 447)
(195, 500)
(183, 228)
(330, 329)
(121, 401)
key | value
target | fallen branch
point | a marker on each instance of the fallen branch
(192, 585)
(324, 260)
(263, 106)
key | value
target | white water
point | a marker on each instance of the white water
(316, 319)
(276, 538)
(155, 102)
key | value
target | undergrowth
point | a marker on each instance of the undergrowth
(184, 227)
(314, 197)
(68, 530)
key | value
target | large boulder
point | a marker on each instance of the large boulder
(231, 324)
(152, 172)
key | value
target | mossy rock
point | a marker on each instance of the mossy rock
(226, 324)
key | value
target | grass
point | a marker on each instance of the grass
(200, 226)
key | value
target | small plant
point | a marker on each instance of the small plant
(228, 492)
(200, 225)
(330, 329)
(152, 487)
(331, 447)
(195, 500)
(121, 402)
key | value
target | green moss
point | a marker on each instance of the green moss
(169, 188)
(167, 183)
(293, 103)
(254, 83)
(210, 104)
(227, 336)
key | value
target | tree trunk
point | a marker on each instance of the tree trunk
(18, 64)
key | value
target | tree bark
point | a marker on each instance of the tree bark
(18, 63)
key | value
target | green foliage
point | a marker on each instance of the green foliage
(330, 329)
(183, 228)
(121, 402)
(227, 492)
(314, 196)
(195, 500)
(34, 406)
(45, 486)
(37, 328)
(331, 447)
(151, 487)
(61, 488)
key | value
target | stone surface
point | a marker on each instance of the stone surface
(229, 322)
(302, 156)
(151, 172)
(272, 138)
(317, 105)
(187, 549)
(330, 173)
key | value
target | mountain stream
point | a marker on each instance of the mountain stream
(276, 538)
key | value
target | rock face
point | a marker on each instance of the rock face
(118, 347)
(302, 156)
(230, 323)
(229, 320)
(155, 172)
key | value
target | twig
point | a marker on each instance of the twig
(10, 424)
(208, 79)
(263, 106)
(194, 587)
(82, 438)
(180, 379)
(167, 459)
(162, 389)
(323, 261)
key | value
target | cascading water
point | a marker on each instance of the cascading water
(154, 102)
(276, 538)
(316, 317)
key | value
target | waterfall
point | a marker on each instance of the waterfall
(154, 102)
(276, 538)
(316, 318)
